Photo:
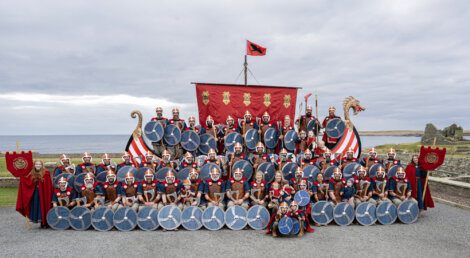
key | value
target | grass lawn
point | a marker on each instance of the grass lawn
(8, 196)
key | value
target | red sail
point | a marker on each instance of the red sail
(19, 164)
(431, 158)
(222, 100)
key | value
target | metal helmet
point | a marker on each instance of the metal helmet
(380, 172)
(350, 150)
(148, 175)
(308, 154)
(149, 156)
(175, 111)
(87, 155)
(192, 119)
(283, 153)
(188, 157)
(126, 154)
(105, 157)
(391, 153)
(215, 174)
(238, 174)
(303, 184)
(63, 158)
(166, 154)
(170, 177)
(247, 114)
(327, 153)
(260, 145)
(294, 205)
(129, 178)
(238, 147)
(299, 172)
(193, 173)
(211, 153)
(209, 119)
(309, 108)
(89, 178)
(266, 115)
(401, 173)
(63, 182)
(159, 110)
(361, 171)
(284, 207)
(337, 173)
(229, 119)
(331, 108)
(372, 152)
(110, 176)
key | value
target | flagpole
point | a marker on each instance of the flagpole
(245, 71)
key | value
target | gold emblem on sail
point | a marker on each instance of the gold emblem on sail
(286, 101)
(267, 99)
(205, 97)
(246, 99)
(226, 97)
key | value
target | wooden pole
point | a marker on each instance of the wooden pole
(427, 175)
(316, 115)
(245, 71)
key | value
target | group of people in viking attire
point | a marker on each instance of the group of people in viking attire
(227, 186)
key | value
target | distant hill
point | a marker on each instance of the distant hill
(418, 133)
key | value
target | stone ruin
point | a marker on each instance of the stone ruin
(452, 134)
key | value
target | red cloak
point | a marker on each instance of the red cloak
(411, 175)
(25, 193)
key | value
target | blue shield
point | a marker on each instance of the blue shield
(147, 218)
(235, 218)
(161, 173)
(302, 198)
(245, 166)
(268, 169)
(311, 172)
(191, 218)
(125, 219)
(183, 174)
(190, 140)
(289, 170)
(206, 170)
(251, 138)
(373, 169)
(393, 171)
(270, 138)
(329, 172)
(408, 212)
(207, 142)
(78, 182)
(123, 171)
(153, 131)
(335, 128)
(58, 218)
(213, 218)
(343, 214)
(350, 170)
(102, 219)
(172, 135)
(80, 218)
(70, 179)
(285, 225)
(322, 212)
(295, 227)
(290, 140)
(386, 213)
(169, 217)
(312, 126)
(230, 141)
(366, 213)
(258, 217)
(140, 173)
(101, 177)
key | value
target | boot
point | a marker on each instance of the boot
(301, 233)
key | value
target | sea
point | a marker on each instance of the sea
(56, 144)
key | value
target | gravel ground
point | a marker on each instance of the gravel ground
(440, 232)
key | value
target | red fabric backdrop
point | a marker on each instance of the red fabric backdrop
(222, 100)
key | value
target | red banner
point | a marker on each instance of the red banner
(19, 164)
(222, 100)
(431, 158)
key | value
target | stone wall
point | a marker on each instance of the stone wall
(452, 134)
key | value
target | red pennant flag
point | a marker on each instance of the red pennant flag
(253, 49)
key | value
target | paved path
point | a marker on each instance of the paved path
(440, 232)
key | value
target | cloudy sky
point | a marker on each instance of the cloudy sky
(80, 67)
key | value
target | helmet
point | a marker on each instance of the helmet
(309, 108)
(283, 153)
(238, 146)
(167, 154)
(159, 110)
(62, 158)
(170, 177)
(148, 174)
(129, 178)
(337, 173)
(87, 155)
(299, 172)
(260, 145)
(110, 174)
(350, 150)
(372, 151)
(331, 108)
(209, 119)
(309, 153)
(392, 153)
(327, 152)
(361, 170)
(215, 174)
(266, 115)
(294, 205)
(401, 173)
(188, 156)
(238, 174)
(89, 178)
(63, 182)
(381, 171)
(192, 119)
(303, 184)
(211, 153)
(193, 173)
(126, 154)
(284, 207)
(175, 111)
(105, 157)
(247, 114)
(229, 118)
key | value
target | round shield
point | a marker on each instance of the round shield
(335, 128)
(311, 172)
(322, 212)
(153, 131)
(102, 219)
(285, 225)
(123, 171)
(408, 211)
(140, 173)
(172, 135)
(302, 198)
(231, 139)
(245, 166)
(213, 218)
(393, 171)
(206, 171)
(343, 214)
(235, 218)
(289, 170)
(251, 138)
(101, 177)
(169, 217)
(125, 219)
(373, 169)
(80, 218)
(190, 140)
(350, 170)
(290, 140)
(329, 172)
(386, 213)
(183, 174)
(312, 126)
(70, 179)
(200, 160)
(191, 218)
(365, 213)
(258, 217)
(270, 138)
(147, 218)
(268, 169)
(161, 173)
(58, 218)
(295, 227)
(207, 142)
(78, 182)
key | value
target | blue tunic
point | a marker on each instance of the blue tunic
(35, 206)
(419, 185)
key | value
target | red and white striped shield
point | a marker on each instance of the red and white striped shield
(350, 139)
